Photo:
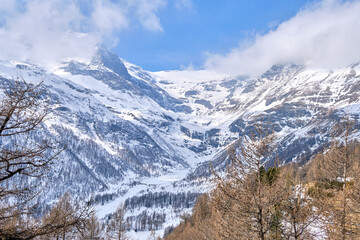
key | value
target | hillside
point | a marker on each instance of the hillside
(147, 137)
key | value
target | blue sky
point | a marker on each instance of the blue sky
(206, 26)
(225, 36)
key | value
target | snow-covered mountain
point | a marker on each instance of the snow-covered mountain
(147, 138)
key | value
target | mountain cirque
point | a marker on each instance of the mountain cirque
(138, 136)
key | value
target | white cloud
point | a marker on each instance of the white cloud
(324, 35)
(184, 4)
(146, 11)
(108, 16)
(7, 6)
(49, 31)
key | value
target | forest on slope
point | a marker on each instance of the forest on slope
(24, 168)
(313, 201)
(318, 200)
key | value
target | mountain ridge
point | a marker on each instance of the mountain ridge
(131, 131)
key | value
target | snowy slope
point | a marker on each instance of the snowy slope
(135, 135)
(122, 139)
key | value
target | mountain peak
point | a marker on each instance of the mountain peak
(110, 60)
(281, 69)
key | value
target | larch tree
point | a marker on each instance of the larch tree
(23, 161)
(67, 219)
(299, 210)
(92, 229)
(338, 177)
(116, 229)
(252, 192)
(23, 164)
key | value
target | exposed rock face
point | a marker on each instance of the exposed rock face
(128, 131)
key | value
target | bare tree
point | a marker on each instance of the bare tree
(203, 219)
(117, 226)
(66, 220)
(22, 109)
(299, 210)
(153, 236)
(251, 202)
(23, 161)
(61, 218)
(252, 191)
(91, 228)
(338, 177)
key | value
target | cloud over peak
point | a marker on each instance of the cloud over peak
(323, 35)
(50, 31)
